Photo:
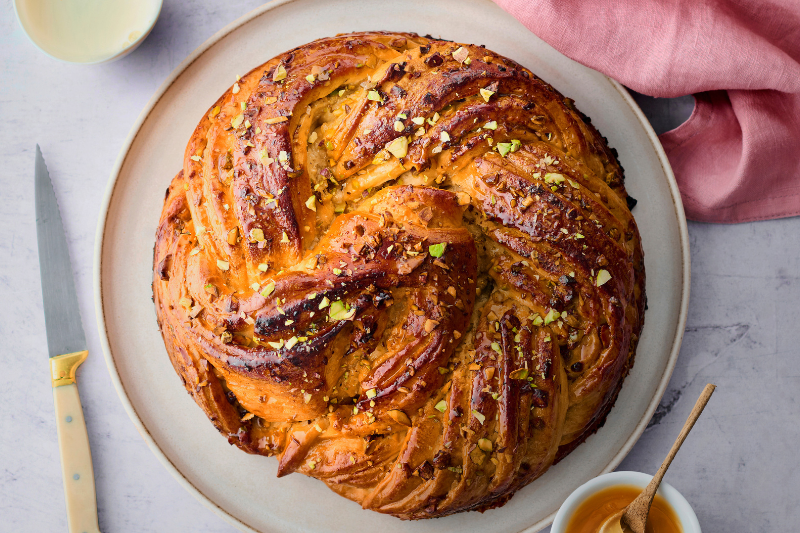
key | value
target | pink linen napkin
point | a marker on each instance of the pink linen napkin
(737, 158)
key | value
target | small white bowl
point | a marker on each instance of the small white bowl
(87, 32)
(682, 508)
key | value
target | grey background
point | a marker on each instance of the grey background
(739, 468)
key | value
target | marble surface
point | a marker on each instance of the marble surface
(739, 468)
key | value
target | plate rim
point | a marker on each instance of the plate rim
(98, 287)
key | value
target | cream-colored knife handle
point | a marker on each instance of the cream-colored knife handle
(76, 457)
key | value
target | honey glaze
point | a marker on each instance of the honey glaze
(591, 514)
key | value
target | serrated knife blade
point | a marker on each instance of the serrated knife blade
(67, 350)
(61, 315)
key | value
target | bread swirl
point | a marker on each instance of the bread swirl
(404, 266)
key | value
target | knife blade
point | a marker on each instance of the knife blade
(61, 316)
(67, 350)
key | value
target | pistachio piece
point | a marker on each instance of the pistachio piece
(398, 147)
(280, 73)
(485, 445)
(437, 250)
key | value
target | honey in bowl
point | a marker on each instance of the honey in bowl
(591, 514)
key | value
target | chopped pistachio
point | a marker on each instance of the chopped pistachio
(196, 158)
(461, 54)
(374, 96)
(276, 345)
(441, 406)
(398, 147)
(553, 177)
(430, 325)
(254, 286)
(311, 203)
(491, 125)
(419, 121)
(257, 235)
(263, 267)
(340, 311)
(312, 138)
(504, 148)
(515, 144)
(552, 315)
(496, 347)
(398, 126)
(486, 93)
(223, 265)
(290, 343)
(602, 277)
(310, 78)
(371, 393)
(324, 303)
(285, 238)
(479, 416)
(520, 373)
(279, 74)
(215, 111)
(266, 291)
(437, 250)
(444, 137)
(235, 89)
(485, 445)
(237, 121)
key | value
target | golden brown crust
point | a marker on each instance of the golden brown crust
(404, 266)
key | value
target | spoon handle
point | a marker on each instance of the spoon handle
(635, 515)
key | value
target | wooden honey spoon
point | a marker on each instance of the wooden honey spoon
(633, 518)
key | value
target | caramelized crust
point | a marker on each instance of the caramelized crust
(404, 266)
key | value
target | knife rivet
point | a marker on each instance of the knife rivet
(69, 419)
(76, 477)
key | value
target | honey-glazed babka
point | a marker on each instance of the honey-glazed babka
(404, 266)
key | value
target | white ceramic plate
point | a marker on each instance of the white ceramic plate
(243, 488)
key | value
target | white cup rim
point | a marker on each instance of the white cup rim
(685, 513)
(112, 57)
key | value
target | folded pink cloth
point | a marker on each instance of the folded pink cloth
(737, 158)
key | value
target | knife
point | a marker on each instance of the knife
(67, 350)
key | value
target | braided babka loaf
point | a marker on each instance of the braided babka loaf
(404, 266)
